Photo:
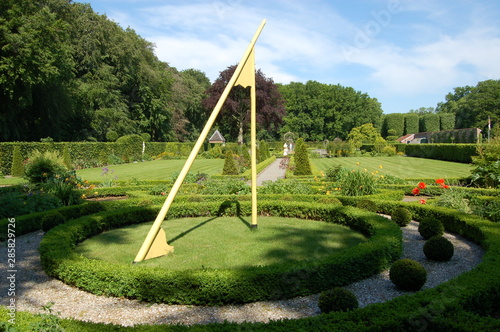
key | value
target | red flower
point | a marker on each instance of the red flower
(440, 181)
(415, 191)
(445, 186)
(423, 201)
(421, 185)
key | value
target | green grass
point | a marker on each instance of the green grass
(152, 170)
(226, 242)
(402, 167)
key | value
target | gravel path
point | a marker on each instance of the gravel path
(35, 289)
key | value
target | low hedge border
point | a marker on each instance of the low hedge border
(462, 304)
(217, 287)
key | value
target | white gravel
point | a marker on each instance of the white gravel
(35, 288)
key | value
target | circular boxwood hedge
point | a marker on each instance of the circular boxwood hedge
(217, 287)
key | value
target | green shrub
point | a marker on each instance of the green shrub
(51, 220)
(130, 147)
(337, 299)
(429, 227)
(438, 248)
(42, 166)
(17, 162)
(284, 186)
(229, 186)
(401, 216)
(336, 173)
(91, 208)
(229, 164)
(302, 163)
(357, 183)
(408, 275)
(366, 204)
(329, 200)
(487, 170)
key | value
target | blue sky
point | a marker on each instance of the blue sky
(406, 53)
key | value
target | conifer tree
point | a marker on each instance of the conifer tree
(302, 164)
(17, 162)
(229, 164)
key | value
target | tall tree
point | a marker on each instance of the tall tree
(234, 118)
(473, 105)
(317, 111)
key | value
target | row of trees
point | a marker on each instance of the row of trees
(72, 74)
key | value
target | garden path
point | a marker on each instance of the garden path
(276, 170)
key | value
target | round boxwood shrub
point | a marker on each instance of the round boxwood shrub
(408, 274)
(401, 216)
(366, 204)
(337, 299)
(429, 227)
(439, 248)
(51, 220)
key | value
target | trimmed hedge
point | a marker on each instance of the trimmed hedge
(460, 153)
(216, 287)
(462, 304)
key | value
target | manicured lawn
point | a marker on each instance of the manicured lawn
(152, 170)
(226, 242)
(402, 167)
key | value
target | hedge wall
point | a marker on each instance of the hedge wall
(85, 154)
(411, 123)
(461, 153)
(216, 287)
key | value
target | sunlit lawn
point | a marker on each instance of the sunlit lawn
(152, 170)
(402, 167)
(226, 242)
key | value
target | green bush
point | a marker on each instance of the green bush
(230, 167)
(367, 204)
(301, 158)
(460, 153)
(408, 275)
(283, 186)
(429, 227)
(42, 166)
(357, 183)
(17, 163)
(91, 208)
(337, 299)
(438, 248)
(130, 147)
(336, 173)
(401, 216)
(329, 200)
(51, 220)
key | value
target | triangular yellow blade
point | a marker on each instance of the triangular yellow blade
(160, 247)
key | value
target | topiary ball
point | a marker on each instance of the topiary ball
(51, 220)
(401, 216)
(337, 299)
(429, 227)
(408, 275)
(439, 248)
(367, 205)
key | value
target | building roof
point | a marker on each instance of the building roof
(217, 137)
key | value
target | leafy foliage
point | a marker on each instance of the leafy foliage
(438, 248)
(42, 166)
(230, 167)
(487, 171)
(429, 227)
(234, 118)
(357, 183)
(17, 162)
(401, 216)
(317, 111)
(337, 299)
(302, 163)
(408, 275)
(51, 220)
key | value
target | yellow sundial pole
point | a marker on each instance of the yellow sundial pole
(155, 244)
